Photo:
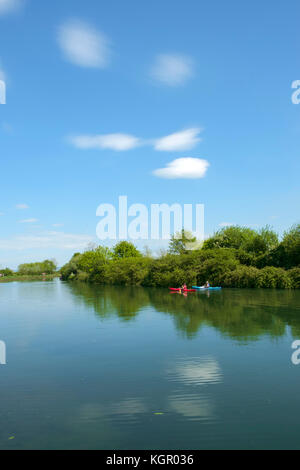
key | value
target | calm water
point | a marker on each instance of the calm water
(132, 368)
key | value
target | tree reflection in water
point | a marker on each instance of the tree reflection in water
(241, 314)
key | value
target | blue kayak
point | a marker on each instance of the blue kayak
(207, 288)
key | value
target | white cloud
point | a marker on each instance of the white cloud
(22, 206)
(118, 142)
(57, 225)
(180, 141)
(2, 214)
(28, 221)
(187, 168)
(177, 142)
(172, 69)
(83, 45)
(58, 240)
(8, 6)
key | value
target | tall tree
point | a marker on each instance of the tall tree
(182, 242)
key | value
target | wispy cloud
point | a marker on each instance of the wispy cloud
(184, 168)
(28, 221)
(118, 142)
(180, 141)
(177, 142)
(8, 6)
(2, 214)
(22, 206)
(58, 240)
(57, 225)
(83, 45)
(172, 69)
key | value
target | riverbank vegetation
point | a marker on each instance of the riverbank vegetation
(18, 278)
(46, 270)
(232, 257)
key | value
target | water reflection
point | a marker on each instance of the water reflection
(241, 314)
(192, 406)
(195, 371)
(132, 410)
(126, 410)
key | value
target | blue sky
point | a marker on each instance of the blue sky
(102, 97)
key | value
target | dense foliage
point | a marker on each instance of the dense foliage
(45, 267)
(232, 257)
(6, 272)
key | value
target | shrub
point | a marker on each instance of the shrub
(216, 266)
(128, 271)
(6, 272)
(271, 277)
(82, 276)
(295, 277)
(243, 276)
(71, 268)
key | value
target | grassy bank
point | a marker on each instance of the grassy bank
(233, 257)
(28, 278)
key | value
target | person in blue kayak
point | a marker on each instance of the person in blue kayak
(207, 285)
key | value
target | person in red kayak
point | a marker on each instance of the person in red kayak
(184, 287)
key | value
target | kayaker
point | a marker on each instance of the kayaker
(207, 285)
(184, 287)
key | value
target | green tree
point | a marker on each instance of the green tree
(6, 272)
(232, 237)
(126, 249)
(181, 242)
(91, 260)
(291, 247)
(47, 267)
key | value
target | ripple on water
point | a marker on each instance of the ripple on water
(196, 371)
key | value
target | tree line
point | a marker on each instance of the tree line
(233, 257)
(31, 269)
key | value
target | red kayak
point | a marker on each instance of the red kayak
(181, 290)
